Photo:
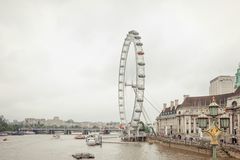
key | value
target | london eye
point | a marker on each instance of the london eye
(138, 84)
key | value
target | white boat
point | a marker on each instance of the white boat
(90, 141)
(29, 133)
(93, 140)
(80, 136)
(3, 134)
(76, 133)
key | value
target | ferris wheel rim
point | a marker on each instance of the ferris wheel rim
(132, 38)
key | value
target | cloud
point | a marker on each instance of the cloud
(62, 57)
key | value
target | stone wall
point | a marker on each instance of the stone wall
(201, 148)
(233, 151)
(188, 147)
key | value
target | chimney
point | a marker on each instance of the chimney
(176, 103)
(172, 104)
(185, 96)
(164, 106)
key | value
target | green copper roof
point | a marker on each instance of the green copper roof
(237, 83)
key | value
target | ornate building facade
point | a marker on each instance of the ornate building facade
(166, 121)
(181, 119)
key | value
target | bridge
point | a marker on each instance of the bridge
(66, 130)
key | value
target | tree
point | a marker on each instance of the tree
(3, 124)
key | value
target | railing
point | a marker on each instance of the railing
(191, 142)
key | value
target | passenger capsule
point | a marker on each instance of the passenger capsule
(133, 32)
(141, 63)
(141, 88)
(141, 76)
(139, 44)
(138, 110)
(140, 53)
(136, 119)
(137, 37)
(139, 100)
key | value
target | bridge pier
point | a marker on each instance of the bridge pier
(85, 132)
(68, 132)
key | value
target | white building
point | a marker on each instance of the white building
(233, 110)
(166, 121)
(182, 120)
(222, 85)
(55, 122)
(34, 121)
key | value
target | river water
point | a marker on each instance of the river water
(44, 147)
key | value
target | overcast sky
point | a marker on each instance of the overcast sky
(61, 57)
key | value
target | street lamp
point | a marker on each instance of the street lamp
(213, 108)
(214, 131)
(224, 122)
(202, 121)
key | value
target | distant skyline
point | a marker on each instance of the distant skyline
(51, 118)
(61, 57)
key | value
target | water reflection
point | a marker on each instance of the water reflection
(43, 147)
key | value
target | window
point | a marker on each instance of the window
(234, 104)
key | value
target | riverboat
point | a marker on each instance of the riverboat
(94, 139)
(28, 133)
(56, 136)
(80, 136)
(3, 134)
(83, 155)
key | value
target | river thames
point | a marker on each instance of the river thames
(44, 147)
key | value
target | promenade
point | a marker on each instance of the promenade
(224, 150)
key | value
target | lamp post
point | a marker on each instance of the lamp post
(224, 123)
(214, 131)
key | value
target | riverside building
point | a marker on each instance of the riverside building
(166, 121)
(181, 119)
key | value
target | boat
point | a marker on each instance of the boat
(150, 141)
(29, 133)
(83, 155)
(3, 134)
(90, 140)
(17, 133)
(80, 136)
(56, 136)
(94, 139)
